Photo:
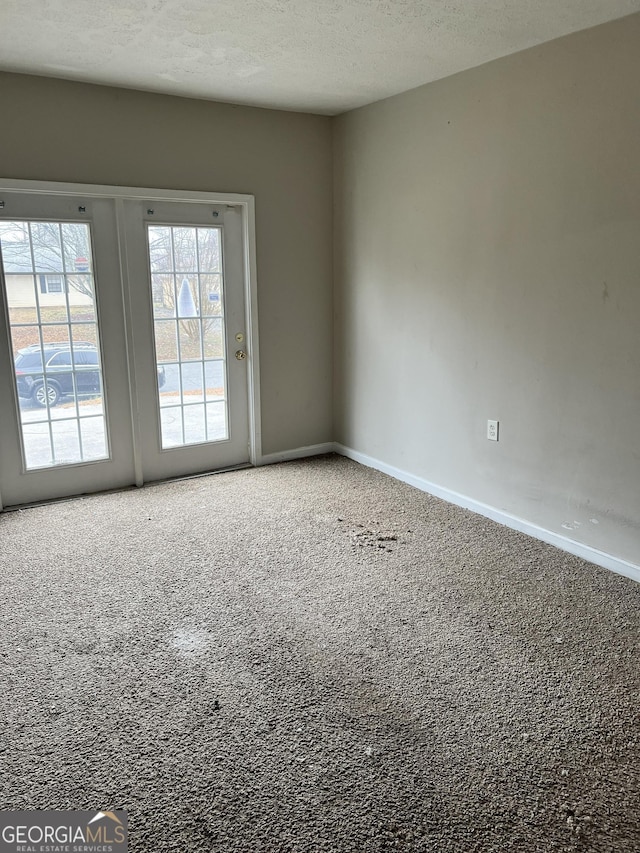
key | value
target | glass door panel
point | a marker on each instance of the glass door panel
(188, 312)
(55, 342)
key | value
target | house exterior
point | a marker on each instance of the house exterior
(44, 289)
(46, 264)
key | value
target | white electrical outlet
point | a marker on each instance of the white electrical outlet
(492, 430)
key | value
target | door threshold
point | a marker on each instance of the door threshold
(84, 495)
(241, 467)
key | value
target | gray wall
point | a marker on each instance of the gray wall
(487, 260)
(61, 131)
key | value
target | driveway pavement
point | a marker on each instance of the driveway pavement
(200, 423)
(192, 376)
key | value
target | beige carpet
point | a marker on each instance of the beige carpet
(314, 657)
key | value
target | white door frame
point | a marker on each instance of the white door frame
(246, 204)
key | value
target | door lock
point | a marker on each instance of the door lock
(241, 354)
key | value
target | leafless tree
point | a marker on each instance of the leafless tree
(175, 252)
(179, 253)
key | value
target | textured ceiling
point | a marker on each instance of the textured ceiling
(323, 56)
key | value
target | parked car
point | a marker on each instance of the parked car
(61, 361)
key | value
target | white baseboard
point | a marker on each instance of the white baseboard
(593, 555)
(296, 453)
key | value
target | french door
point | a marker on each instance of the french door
(190, 345)
(124, 341)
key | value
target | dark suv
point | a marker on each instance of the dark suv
(61, 361)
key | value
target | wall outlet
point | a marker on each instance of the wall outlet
(492, 430)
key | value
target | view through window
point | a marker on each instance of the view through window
(50, 294)
(188, 312)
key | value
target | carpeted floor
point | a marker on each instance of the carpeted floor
(313, 657)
